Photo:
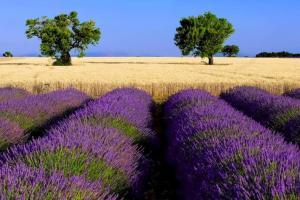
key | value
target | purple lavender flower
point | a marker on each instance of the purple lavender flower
(22, 182)
(218, 153)
(10, 133)
(90, 143)
(130, 104)
(8, 93)
(273, 111)
(129, 110)
(95, 151)
(34, 111)
(44, 105)
(293, 93)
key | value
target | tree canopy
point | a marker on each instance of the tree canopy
(230, 50)
(7, 54)
(203, 35)
(282, 54)
(62, 34)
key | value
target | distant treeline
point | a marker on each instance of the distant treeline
(282, 54)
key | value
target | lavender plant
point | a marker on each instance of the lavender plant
(293, 93)
(32, 112)
(128, 110)
(218, 153)
(12, 93)
(276, 112)
(10, 133)
(22, 182)
(94, 150)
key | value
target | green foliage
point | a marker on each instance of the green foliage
(279, 120)
(230, 50)
(25, 122)
(7, 54)
(28, 192)
(62, 34)
(4, 144)
(75, 162)
(282, 54)
(203, 35)
(120, 124)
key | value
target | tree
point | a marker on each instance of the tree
(7, 54)
(203, 35)
(62, 34)
(230, 50)
(282, 54)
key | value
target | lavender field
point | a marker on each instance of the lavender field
(124, 145)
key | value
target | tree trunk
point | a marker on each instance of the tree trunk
(211, 60)
(65, 58)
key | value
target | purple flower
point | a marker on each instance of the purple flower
(133, 105)
(7, 94)
(294, 93)
(218, 153)
(10, 133)
(40, 107)
(22, 182)
(278, 113)
(84, 145)
(129, 110)
(35, 111)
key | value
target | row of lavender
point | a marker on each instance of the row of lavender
(293, 93)
(22, 114)
(8, 93)
(94, 154)
(279, 113)
(218, 153)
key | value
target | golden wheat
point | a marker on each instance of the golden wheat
(161, 77)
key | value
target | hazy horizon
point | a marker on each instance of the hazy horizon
(138, 28)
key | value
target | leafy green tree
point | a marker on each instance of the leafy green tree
(282, 54)
(62, 34)
(203, 35)
(230, 50)
(7, 54)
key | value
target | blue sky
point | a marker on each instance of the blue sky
(147, 27)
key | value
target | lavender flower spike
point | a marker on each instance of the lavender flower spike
(218, 153)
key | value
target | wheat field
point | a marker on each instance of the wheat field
(161, 77)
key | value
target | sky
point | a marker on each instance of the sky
(147, 27)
